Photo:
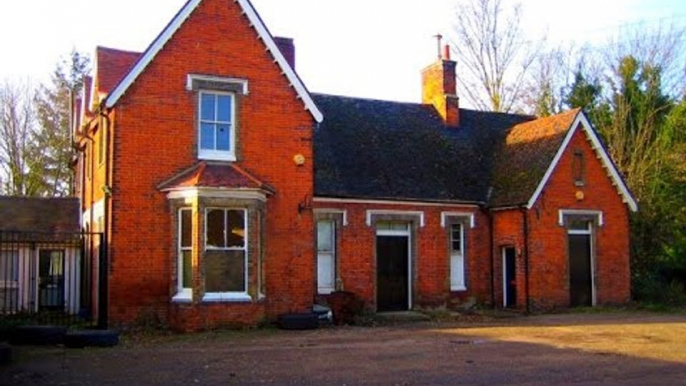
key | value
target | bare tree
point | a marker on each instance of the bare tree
(493, 57)
(20, 159)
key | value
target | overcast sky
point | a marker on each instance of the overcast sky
(368, 48)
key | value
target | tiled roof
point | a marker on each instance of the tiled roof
(402, 151)
(525, 156)
(30, 214)
(214, 175)
(112, 65)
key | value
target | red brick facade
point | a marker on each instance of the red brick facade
(152, 136)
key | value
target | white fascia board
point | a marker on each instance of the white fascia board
(295, 81)
(581, 121)
(176, 23)
(151, 53)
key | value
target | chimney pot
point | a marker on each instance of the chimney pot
(446, 52)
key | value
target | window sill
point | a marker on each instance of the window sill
(458, 289)
(325, 291)
(226, 297)
(210, 155)
(183, 297)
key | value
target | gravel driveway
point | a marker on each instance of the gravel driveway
(580, 349)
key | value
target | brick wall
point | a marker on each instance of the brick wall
(548, 246)
(155, 137)
(356, 254)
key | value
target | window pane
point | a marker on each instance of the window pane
(225, 271)
(236, 234)
(207, 136)
(325, 235)
(399, 226)
(9, 265)
(207, 107)
(187, 273)
(457, 271)
(223, 137)
(325, 272)
(214, 234)
(224, 108)
(580, 225)
(456, 237)
(186, 228)
(383, 225)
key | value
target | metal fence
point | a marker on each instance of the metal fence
(53, 279)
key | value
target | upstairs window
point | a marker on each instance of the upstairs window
(216, 129)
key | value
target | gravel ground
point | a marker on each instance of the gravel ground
(580, 349)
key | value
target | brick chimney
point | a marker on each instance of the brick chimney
(439, 88)
(287, 49)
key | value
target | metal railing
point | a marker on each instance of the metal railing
(53, 279)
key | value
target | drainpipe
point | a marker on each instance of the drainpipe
(103, 292)
(491, 244)
(525, 232)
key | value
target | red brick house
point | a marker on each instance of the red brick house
(231, 194)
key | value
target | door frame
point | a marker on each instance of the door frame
(591, 255)
(504, 262)
(36, 285)
(396, 233)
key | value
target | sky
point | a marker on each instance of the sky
(366, 48)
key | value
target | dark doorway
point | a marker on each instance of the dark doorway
(580, 284)
(509, 278)
(51, 279)
(392, 273)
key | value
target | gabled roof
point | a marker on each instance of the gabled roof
(531, 152)
(33, 214)
(525, 156)
(111, 65)
(214, 175)
(375, 149)
(178, 20)
(581, 122)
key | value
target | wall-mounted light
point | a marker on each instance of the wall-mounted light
(299, 159)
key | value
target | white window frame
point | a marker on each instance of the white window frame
(222, 155)
(332, 252)
(233, 295)
(183, 294)
(458, 280)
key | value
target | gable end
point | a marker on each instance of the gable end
(178, 20)
(581, 121)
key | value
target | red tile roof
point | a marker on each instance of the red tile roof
(112, 65)
(215, 175)
(526, 155)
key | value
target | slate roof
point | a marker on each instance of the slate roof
(30, 214)
(112, 64)
(373, 149)
(214, 175)
(526, 155)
